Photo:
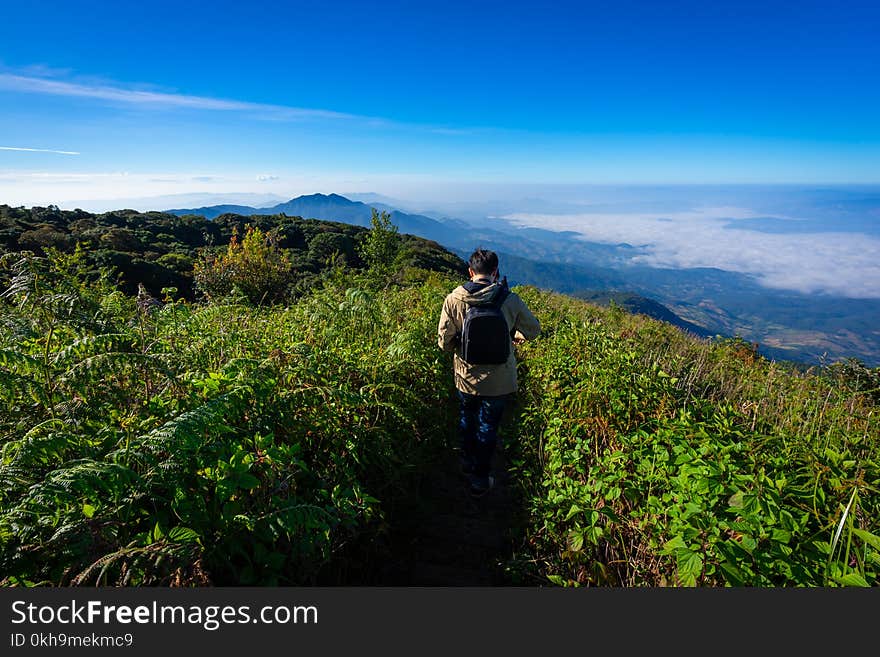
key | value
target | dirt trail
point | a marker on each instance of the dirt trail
(448, 538)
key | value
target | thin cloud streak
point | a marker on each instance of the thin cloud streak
(37, 150)
(159, 100)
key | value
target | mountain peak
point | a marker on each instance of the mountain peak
(334, 198)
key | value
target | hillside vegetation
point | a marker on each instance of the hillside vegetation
(169, 441)
(652, 457)
(159, 250)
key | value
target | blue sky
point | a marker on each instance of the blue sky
(394, 97)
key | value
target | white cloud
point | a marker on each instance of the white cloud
(37, 150)
(846, 264)
(40, 85)
(266, 178)
(37, 80)
(103, 190)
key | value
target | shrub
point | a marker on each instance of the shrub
(380, 247)
(255, 266)
(178, 262)
(324, 246)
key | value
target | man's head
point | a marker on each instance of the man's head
(483, 263)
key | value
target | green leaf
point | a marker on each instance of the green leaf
(852, 579)
(781, 536)
(674, 544)
(736, 500)
(183, 535)
(748, 543)
(593, 534)
(248, 481)
(690, 566)
(88, 510)
(871, 539)
(609, 513)
(732, 574)
(244, 520)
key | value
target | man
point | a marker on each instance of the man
(484, 360)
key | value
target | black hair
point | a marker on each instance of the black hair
(483, 261)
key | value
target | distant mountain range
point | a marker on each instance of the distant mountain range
(706, 301)
(192, 199)
(451, 232)
(333, 207)
(528, 251)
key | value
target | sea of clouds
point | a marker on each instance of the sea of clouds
(838, 263)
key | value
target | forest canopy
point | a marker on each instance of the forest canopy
(160, 250)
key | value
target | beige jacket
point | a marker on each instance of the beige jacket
(487, 380)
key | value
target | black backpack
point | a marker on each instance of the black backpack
(485, 336)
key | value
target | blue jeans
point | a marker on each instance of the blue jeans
(479, 418)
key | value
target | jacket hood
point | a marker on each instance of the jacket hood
(483, 295)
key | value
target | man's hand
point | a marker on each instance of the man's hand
(518, 341)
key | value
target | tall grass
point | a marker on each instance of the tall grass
(650, 457)
(194, 444)
(146, 443)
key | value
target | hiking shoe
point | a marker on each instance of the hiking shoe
(480, 487)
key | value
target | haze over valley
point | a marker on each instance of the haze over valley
(719, 163)
(794, 268)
